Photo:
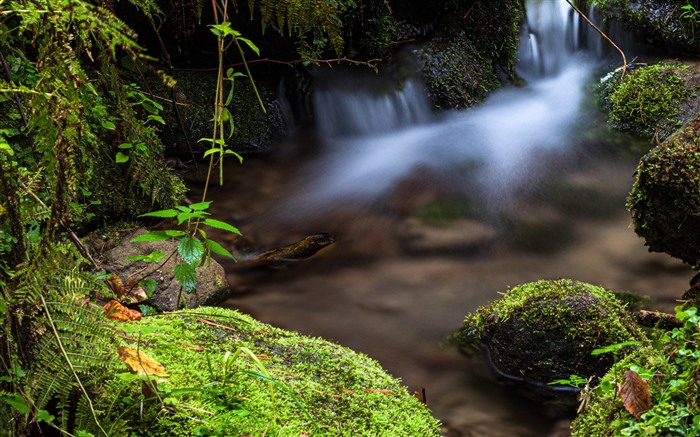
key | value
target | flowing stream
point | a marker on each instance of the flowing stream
(533, 181)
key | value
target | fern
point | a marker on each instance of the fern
(311, 21)
(77, 347)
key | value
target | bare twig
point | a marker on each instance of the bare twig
(590, 23)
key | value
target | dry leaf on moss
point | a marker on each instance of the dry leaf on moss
(634, 394)
(116, 311)
(141, 363)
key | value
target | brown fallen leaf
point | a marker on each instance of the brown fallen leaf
(116, 311)
(634, 394)
(141, 363)
(115, 284)
(135, 293)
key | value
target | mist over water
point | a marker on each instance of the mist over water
(372, 135)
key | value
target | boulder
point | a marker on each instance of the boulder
(544, 331)
(228, 374)
(212, 286)
(665, 199)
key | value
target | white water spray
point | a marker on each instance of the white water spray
(371, 140)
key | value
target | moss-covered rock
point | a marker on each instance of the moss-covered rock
(665, 199)
(652, 101)
(544, 331)
(313, 387)
(673, 25)
(456, 73)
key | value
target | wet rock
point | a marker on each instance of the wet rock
(665, 199)
(544, 331)
(458, 237)
(663, 23)
(212, 286)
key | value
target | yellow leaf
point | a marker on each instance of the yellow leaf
(141, 363)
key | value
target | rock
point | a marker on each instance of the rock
(663, 23)
(544, 331)
(212, 286)
(665, 199)
(458, 236)
(319, 388)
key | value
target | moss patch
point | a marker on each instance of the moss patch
(342, 393)
(457, 74)
(648, 100)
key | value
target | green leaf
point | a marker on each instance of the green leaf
(44, 416)
(16, 401)
(614, 347)
(125, 146)
(187, 276)
(153, 257)
(121, 158)
(150, 285)
(250, 44)
(217, 248)
(183, 216)
(108, 125)
(218, 224)
(201, 206)
(163, 213)
(190, 249)
(151, 237)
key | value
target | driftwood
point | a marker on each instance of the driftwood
(655, 319)
(290, 253)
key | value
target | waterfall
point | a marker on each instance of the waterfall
(374, 135)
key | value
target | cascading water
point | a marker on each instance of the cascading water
(371, 138)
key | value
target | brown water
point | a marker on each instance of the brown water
(393, 287)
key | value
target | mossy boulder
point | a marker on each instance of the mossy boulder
(293, 385)
(652, 101)
(456, 73)
(544, 331)
(665, 199)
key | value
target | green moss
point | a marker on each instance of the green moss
(344, 393)
(647, 100)
(457, 74)
(665, 199)
(546, 330)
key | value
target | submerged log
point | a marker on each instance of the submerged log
(290, 253)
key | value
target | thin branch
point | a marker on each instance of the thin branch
(590, 23)
(329, 62)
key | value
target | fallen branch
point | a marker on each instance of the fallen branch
(298, 251)
(656, 319)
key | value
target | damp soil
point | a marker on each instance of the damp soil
(394, 286)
